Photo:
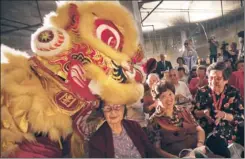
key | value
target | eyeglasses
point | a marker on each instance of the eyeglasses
(109, 108)
(216, 78)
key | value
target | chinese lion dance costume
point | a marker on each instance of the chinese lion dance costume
(84, 52)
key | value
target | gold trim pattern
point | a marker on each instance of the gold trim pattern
(53, 85)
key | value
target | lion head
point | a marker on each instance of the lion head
(92, 46)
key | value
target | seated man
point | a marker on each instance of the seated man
(193, 73)
(135, 112)
(182, 75)
(166, 76)
(199, 81)
(182, 92)
(149, 104)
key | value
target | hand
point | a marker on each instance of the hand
(200, 144)
(200, 82)
(197, 85)
(219, 115)
(201, 149)
(179, 96)
(157, 144)
(207, 116)
(154, 105)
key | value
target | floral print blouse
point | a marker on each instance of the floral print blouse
(231, 103)
(177, 120)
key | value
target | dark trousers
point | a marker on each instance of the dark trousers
(213, 58)
(218, 146)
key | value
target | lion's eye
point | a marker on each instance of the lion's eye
(109, 34)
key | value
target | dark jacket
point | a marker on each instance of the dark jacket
(101, 143)
(161, 67)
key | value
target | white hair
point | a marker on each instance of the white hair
(150, 75)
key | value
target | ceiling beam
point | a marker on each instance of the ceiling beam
(7, 25)
(152, 11)
(39, 12)
(22, 28)
(142, 2)
(14, 21)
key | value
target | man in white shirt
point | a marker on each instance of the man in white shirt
(220, 58)
(135, 112)
(190, 55)
(182, 92)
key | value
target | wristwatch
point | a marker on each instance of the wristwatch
(205, 111)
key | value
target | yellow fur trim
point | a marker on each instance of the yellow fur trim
(77, 146)
(13, 59)
(26, 96)
(9, 127)
(47, 120)
(8, 55)
(110, 90)
(60, 18)
(8, 148)
(10, 134)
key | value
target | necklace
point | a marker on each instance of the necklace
(217, 104)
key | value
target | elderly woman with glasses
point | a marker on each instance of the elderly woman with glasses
(119, 138)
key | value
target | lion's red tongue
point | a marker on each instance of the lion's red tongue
(77, 81)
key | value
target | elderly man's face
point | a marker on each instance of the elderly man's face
(162, 57)
(240, 66)
(228, 63)
(201, 73)
(152, 80)
(173, 76)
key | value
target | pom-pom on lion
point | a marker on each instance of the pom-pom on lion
(84, 52)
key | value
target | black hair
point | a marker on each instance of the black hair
(220, 66)
(239, 61)
(202, 67)
(181, 69)
(223, 45)
(228, 60)
(180, 58)
(240, 34)
(162, 87)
